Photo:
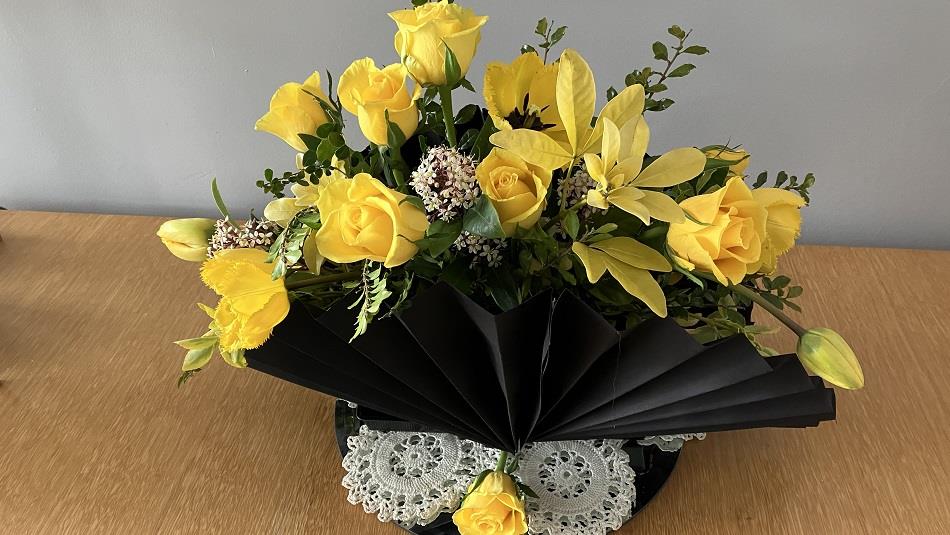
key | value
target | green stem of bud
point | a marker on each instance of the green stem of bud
(769, 307)
(502, 461)
(445, 96)
(324, 279)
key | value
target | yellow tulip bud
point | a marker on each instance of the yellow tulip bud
(424, 32)
(829, 356)
(187, 238)
(371, 93)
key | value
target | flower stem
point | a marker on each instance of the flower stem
(563, 213)
(502, 461)
(761, 301)
(445, 96)
(323, 279)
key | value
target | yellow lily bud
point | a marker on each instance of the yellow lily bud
(829, 356)
(187, 238)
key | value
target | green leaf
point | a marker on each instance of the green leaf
(503, 289)
(572, 224)
(198, 343)
(781, 178)
(218, 200)
(696, 50)
(676, 32)
(467, 85)
(557, 35)
(415, 201)
(660, 52)
(794, 291)
(542, 27)
(418, 3)
(453, 72)
(528, 48)
(781, 281)
(760, 180)
(311, 142)
(526, 490)
(466, 113)
(681, 71)
(394, 135)
(440, 236)
(198, 358)
(482, 219)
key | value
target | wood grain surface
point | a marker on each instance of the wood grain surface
(96, 438)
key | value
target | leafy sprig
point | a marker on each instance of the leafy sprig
(373, 292)
(550, 36)
(788, 182)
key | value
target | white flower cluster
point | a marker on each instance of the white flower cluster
(254, 233)
(482, 249)
(576, 187)
(445, 179)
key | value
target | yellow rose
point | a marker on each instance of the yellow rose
(369, 92)
(294, 110)
(829, 356)
(783, 225)
(516, 189)
(508, 85)
(729, 240)
(740, 156)
(364, 220)
(424, 32)
(494, 508)
(252, 302)
(187, 238)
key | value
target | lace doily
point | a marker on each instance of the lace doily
(410, 478)
(670, 442)
(583, 486)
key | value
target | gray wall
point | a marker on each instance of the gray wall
(131, 106)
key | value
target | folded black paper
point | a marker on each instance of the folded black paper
(550, 369)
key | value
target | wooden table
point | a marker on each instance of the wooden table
(96, 438)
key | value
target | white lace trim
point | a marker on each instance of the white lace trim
(670, 442)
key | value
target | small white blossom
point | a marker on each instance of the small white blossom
(445, 180)
(483, 250)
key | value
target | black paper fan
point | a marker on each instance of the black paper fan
(550, 369)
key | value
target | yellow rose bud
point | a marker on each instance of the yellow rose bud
(294, 109)
(365, 220)
(252, 302)
(187, 238)
(507, 85)
(740, 156)
(829, 356)
(729, 240)
(424, 32)
(369, 93)
(516, 188)
(493, 508)
(783, 225)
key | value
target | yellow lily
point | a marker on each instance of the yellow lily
(620, 176)
(575, 95)
(630, 262)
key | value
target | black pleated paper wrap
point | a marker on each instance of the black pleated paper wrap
(550, 369)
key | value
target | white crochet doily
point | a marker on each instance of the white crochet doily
(583, 486)
(670, 442)
(410, 478)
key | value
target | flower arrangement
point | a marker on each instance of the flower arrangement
(535, 190)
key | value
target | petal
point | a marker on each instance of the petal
(674, 167)
(628, 200)
(593, 261)
(286, 123)
(352, 83)
(662, 207)
(631, 252)
(533, 147)
(640, 284)
(634, 138)
(576, 96)
(610, 150)
(624, 107)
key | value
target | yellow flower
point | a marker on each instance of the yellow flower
(621, 178)
(187, 238)
(521, 94)
(516, 189)
(294, 109)
(424, 32)
(783, 225)
(369, 92)
(493, 508)
(728, 239)
(252, 302)
(740, 156)
(628, 261)
(362, 219)
(575, 95)
(829, 356)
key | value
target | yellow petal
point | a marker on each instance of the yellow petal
(621, 109)
(597, 199)
(353, 81)
(662, 207)
(595, 168)
(593, 261)
(628, 200)
(533, 147)
(674, 167)
(640, 284)
(281, 211)
(610, 147)
(576, 97)
(631, 252)
(634, 139)
(286, 123)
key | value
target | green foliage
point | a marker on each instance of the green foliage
(287, 248)
(372, 294)
(218, 201)
(653, 79)
(550, 36)
(482, 219)
(440, 236)
(778, 291)
(788, 182)
(186, 376)
(453, 71)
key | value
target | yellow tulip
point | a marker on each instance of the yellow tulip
(620, 177)
(783, 225)
(424, 32)
(252, 302)
(516, 189)
(508, 87)
(575, 95)
(362, 219)
(294, 109)
(740, 156)
(493, 508)
(370, 92)
(829, 356)
(187, 238)
(728, 238)
(630, 262)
